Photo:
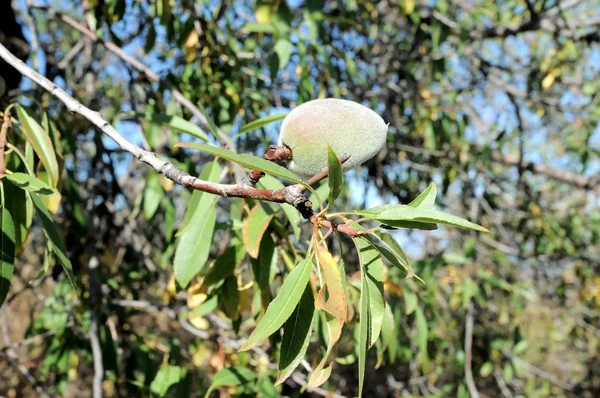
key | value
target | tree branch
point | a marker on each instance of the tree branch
(568, 177)
(293, 194)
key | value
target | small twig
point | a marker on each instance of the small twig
(14, 357)
(3, 132)
(503, 387)
(537, 371)
(468, 352)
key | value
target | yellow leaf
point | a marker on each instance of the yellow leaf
(192, 39)
(52, 201)
(196, 295)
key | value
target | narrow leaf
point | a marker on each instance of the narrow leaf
(261, 122)
(264, 265)
(374, 269)
(336, 180)
(167, 377)
(153, 195)
(364, 333)
(391, 213)
(54, 237)
(29, 183)
(296, 335)
(7, 251)
(193, 248)
(426, 199)
(250, 161)
(254, 228)
(178, 124)
(422, 333)
(282, 307)
(332, 300)
(235, 376)
(293, 215)
(225, 265)
(200, 202)
(41, 143)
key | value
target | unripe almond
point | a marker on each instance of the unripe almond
(349, 127)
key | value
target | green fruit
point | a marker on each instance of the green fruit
(350, 128)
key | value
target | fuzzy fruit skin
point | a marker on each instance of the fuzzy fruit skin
(349, 127)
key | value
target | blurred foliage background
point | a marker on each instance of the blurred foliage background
(495, 102)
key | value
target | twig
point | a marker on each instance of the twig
(151, 75)
(568, 177)
(503, 387)
(36, 338)
(537, 371)
(3, 131)
(468, 352)
(14, 357)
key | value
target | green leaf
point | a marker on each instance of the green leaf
(388, 214)
(261, 122)
(153, 195)
(282, 307)
(41, 143)
(194, 246)
(411, 301)
(264, 267)
(18, 203)
(234, 376)
(224, 265)
(364, 334)
(7, 251)
(283, 48)
(54, 237)
(259, 27)
(254, 228)
(486, 369)
(167, 377)
(336, 180)
(426, 199)
(422, 333)
(230, 298)
(293, 215)
(178, 124)
(374, 269)
(249, 161)
(397, 258)
(29, 183)
(296, 335)
(200, 202)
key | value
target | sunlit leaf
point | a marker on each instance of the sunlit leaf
(41, 143)
(388, 214)
(234, 376)
(194, 246)
(282, 307)
(426, 199)
(332, 300)
(250, 161)
(296, 335)
(167, 377)
(375, 270)
(261, 122)
(178, 124)
(199, 201)
(29, 183)
(335, 175)
(254, 228)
